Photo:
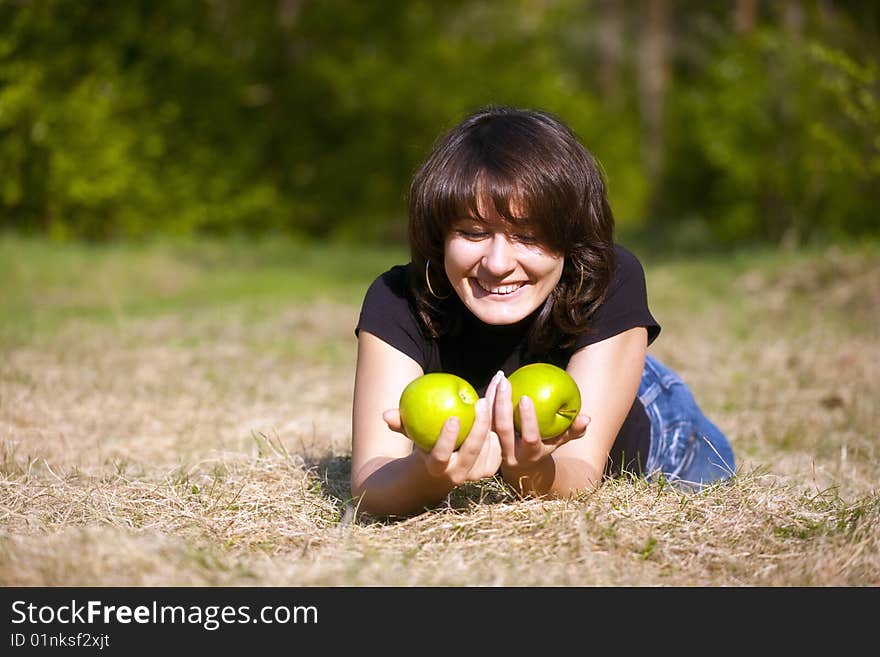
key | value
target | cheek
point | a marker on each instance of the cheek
(547, 268)
(458, 257)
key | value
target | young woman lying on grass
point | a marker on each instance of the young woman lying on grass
(513, 261)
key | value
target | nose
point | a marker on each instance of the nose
(499, 258)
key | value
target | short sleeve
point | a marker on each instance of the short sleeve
(625, 305)
(387, 314)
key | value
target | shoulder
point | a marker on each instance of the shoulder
(626, 263)
(388, 313)
(387, 300)
(625, 304)
(390, 287)
(627, 284)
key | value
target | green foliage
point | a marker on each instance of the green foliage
(779, 141)
(223, 117)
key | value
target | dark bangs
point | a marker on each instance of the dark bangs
(530, 167)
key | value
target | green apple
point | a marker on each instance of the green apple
(554, 393)
(428, 401)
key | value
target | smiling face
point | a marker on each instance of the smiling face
(499, 270)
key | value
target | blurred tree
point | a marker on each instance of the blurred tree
(745, 120)
(654, 64)
(610, 46)
(773, 132)
(746, 15)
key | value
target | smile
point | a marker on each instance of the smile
(502, 290)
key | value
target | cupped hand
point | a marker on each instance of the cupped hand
(525, 450)
(478, 457)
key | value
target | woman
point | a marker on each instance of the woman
(513, 261)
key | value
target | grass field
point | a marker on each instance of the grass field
(179, 414)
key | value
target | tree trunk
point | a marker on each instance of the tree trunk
(746, 16)
(610, 52)
(654, 37)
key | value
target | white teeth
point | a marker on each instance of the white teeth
(500, 289)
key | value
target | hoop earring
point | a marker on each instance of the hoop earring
(428, 281)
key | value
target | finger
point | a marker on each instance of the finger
(473, 444)
(489, 460)
(528, 427)
(392, 419)
(577, 430)
(441, 453)
(579, 426)
(492, 388)
(502, 417)
(491, 391)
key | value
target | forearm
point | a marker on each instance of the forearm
(553, 476)
(400, 486)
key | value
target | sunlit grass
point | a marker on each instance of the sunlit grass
(46, 284)
(180, 414)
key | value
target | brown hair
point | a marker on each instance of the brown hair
(532, 159)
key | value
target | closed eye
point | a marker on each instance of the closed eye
(473, 235)
(529, 240)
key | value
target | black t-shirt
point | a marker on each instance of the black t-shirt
(479, 350)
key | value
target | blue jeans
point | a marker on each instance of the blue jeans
(686, 448)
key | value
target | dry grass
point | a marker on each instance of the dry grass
(211, 447)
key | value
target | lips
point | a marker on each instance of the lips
(500, 290)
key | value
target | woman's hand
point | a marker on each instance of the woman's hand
(478, 457)
(523, 453)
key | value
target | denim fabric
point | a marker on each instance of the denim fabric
(686, 448)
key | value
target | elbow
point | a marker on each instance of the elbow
(359, 497)
(368, 501)
(372, 505)
(582, 478)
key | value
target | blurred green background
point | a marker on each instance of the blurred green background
(716, 123)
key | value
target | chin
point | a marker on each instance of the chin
(499, 316)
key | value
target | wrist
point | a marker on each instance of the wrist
(535, 477)
(437, 481)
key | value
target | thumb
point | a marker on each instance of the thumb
(580, 424)
(392, 419)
